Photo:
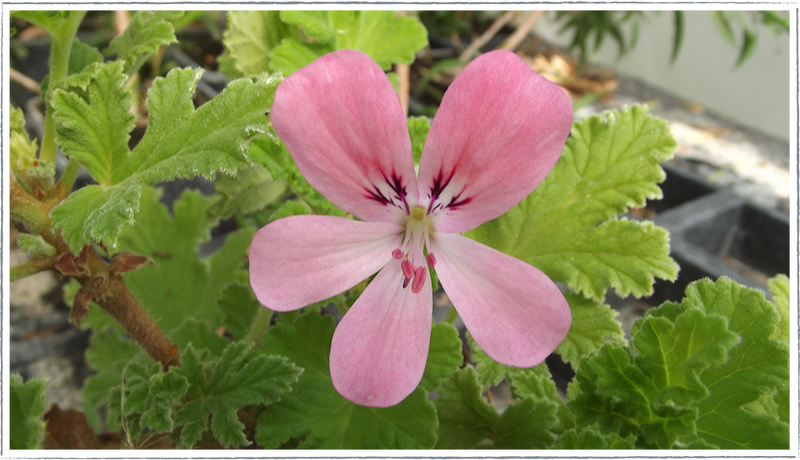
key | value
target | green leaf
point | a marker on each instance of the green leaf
(387, 38)
(200, 335)
(465, 418)
(568, 227)
(323, 419)
(180, 142)
(108, 354)
(589, 438)
(418, 128)
(593, 324)
(146, 32)
(239, 306)
(251, 36)
(27, 405)
(677, 37)
(82, 56)
(250, 190)
(15, 120)
(779, 286)
(758, 364)
(219, 388)
(35, 245)
(96, 132)
(489, 371)
(527, 424)
(748, 46)
(444, 356)
(180, 284)
(292, 55)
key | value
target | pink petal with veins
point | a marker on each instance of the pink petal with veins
(515, 312)
(299, 260)
(498, 132)
(342, 122)
(380, 347)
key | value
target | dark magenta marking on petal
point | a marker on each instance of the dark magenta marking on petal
(439, 185)
(398, 198)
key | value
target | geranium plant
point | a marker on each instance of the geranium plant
(327, 183)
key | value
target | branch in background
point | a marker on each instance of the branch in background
(522, 31)
(478, 43)
(24, 80)
(404, 86)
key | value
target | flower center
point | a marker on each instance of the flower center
(411, 253)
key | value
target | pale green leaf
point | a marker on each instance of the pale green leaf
(35, 245)
(568, 227)
(292, 55)
(251, 36)
(779, 286)
(96, 132)
(323, 419)
(593, 324)
(27, 405)
(180, 142)
(146, 32)
(238, 378)
(489, 371)
(387, 38)
(418, 128)
(250, 190)
(444, 356)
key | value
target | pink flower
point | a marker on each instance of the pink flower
(499, 131)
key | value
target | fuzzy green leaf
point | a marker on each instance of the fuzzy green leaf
(323, 419)
(180, 284)
(250, 190)
(180, 142)
(27, 405)
(200, 335)
(465, 418)
(96, 132)
(147, 31)
(239, 307)
(444, 356)
(240, 377)
(593, 324)
(108, 354)
(568, 227)
(250, 37)
(35, 245)
(387, 38)
(527, 424)
(779, 286)
(418, 128)
(759, 364)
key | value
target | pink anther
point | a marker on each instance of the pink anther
(431, 259)
(419, 280)
(397, 254)
(408, 269)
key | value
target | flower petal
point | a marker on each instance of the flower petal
(499, 131)
(299, 260)
(514, 311)
(342, 122)
(380, 347)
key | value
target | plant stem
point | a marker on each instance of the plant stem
(32, 267)
(68, 178)
(61, 45)
(452, 315)
(260, 325)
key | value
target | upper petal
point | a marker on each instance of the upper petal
(299, 260)
(380, 347)
(514, 311)
(342, 122)
(498, 132)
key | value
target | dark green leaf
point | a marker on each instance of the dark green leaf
(239, 306)
(444, 356)
(465, 418)
(27, 405)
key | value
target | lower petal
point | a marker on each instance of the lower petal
(379, 349)
(299, 260)
(515, 312)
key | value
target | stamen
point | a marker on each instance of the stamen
(419, 280)
(431, 259)
(397, 254)
(408, 269)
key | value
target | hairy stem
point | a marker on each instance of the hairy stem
(32, 267)
(260, 325)
(68, 178)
